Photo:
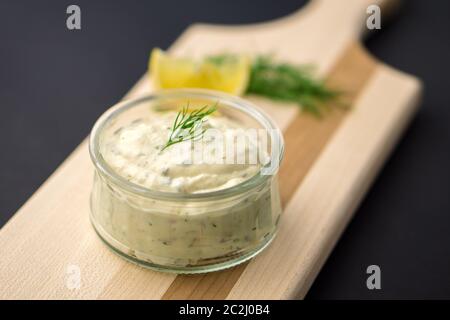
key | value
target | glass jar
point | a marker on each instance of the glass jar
(185, 232)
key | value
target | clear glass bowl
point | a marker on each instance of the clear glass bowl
(185, 232)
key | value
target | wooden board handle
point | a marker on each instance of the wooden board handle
(314, 34)
(337, 17)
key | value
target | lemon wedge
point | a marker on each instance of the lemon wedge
(228, 73)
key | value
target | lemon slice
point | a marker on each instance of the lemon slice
(228, 73)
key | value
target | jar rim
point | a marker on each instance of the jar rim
(232, 101)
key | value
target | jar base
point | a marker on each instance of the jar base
(183, 270)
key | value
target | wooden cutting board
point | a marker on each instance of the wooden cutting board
(329, 165)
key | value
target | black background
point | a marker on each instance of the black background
(54, 83)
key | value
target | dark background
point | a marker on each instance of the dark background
(54, 83)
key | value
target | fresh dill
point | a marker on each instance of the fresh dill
(284, 82)
(188, 125)
(289, 83)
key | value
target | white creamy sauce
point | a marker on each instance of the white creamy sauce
(134, 152)
(180, 233)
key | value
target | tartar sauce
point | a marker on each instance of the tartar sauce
(135, 152)
(180, 233)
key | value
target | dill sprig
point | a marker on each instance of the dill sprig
(188, 126)
(289, 83)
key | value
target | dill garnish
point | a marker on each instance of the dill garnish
(188, 126)
(284, 82)
(289, 83)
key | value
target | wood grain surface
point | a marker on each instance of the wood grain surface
(328, 166)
